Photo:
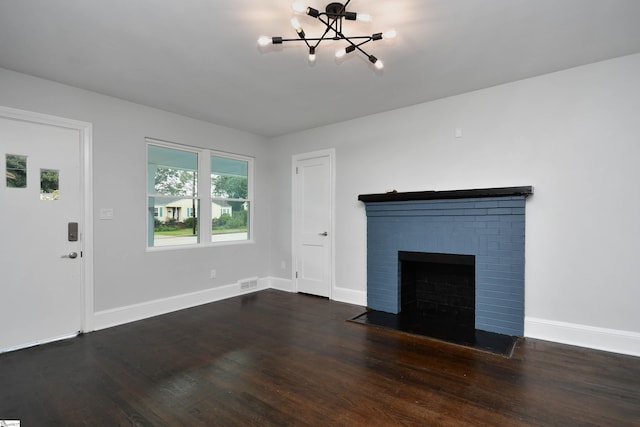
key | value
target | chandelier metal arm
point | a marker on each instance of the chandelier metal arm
(336, 25)
(339, 36)
(357, 46)
(369, 38)
(323, 34)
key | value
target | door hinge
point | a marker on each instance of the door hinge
(296, 274)
(297, 170)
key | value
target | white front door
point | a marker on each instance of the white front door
(313, 233)
(41, 256)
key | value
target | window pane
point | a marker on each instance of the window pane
(230, 220)
(16, 172)
(172, 172)
(49, 184)
(230, 205)
(175, 221)
(229, 177)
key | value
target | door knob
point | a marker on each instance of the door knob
(72, 255)
(323, 234)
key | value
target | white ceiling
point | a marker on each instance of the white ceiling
(200, 58)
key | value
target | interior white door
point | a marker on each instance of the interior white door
(41, 294)
(313, 220)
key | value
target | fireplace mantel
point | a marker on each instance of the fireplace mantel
(394, 196)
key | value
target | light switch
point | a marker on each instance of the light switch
(106, 213)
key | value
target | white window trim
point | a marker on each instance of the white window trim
(204, 195)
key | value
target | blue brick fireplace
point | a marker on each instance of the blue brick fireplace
(487, 224)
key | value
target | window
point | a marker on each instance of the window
(186, 210)
(229, 198)
(173, 183)
(16, 171)
(49, 184)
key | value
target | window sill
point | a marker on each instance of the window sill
(199, 246)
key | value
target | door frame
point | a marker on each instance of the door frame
(85, 131)
(331, 154)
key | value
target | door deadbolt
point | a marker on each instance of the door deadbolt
(72, 232)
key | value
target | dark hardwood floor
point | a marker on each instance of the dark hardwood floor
(274, 358)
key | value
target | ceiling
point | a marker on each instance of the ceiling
(200, 58)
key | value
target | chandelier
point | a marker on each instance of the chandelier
(333, 16)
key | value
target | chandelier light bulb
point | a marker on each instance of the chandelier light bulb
(299, 7)
(376, 62)
(390, 34)
(296, 24)
(364, 17)
(264, 41)
(312, 54)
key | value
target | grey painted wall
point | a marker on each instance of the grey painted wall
(574, 135)
(125, 272)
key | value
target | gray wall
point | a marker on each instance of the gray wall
(125, 272)
(574, 135)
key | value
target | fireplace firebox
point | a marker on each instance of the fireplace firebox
(437, 292)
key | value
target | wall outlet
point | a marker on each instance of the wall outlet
(213, 274)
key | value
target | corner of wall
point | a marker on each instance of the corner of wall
(349, 296)
(280, 284)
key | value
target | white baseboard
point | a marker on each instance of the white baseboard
(280, 284)
(121, 315)
(39, 342)
(350, 296)
(612, 340)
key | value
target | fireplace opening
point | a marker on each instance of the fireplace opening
(438, 300)
(437, 294)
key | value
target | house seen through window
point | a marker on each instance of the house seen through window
(185, 210)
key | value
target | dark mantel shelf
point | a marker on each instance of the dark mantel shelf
(449, 194)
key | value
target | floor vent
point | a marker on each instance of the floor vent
(248, 284)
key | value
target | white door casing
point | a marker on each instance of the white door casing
(44, 290)
(313, 207)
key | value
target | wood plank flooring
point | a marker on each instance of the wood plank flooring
(274, 358)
